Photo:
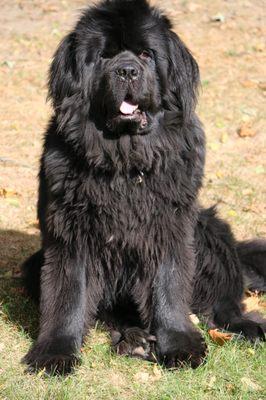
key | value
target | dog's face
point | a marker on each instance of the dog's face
(123, 66)
(128, 89)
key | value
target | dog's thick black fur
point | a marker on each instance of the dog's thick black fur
(123, 237)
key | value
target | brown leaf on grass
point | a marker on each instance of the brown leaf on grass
(230, 388)
(219, 337)
(246, 130)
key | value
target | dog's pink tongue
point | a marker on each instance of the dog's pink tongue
(128, 108)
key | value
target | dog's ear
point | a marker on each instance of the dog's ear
(183, 77)
(64, 77)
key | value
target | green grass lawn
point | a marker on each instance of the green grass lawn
(233, 371)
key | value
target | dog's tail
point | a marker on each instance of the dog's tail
(252, 255)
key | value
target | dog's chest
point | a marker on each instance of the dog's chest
(138, 207)
(130, 211)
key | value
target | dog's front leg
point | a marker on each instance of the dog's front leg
(177, 340)
(62, 308)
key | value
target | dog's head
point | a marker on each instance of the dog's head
(122, 67)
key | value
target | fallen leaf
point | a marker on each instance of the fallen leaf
(219, 174)
(2, 346)
(232, 213)
(8, 193)
(230, 387)
(219, 337)
(246, 131)
(250, 385)
(248, 84)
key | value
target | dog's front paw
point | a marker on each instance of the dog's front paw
(44, 356)
(175, 348)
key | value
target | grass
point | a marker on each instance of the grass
(233, 371)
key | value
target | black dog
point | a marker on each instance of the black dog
(123, 238)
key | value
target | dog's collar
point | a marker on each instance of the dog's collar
(137, 176)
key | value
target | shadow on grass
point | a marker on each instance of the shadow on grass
(16, 307)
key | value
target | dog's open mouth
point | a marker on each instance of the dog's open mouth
(131, 112)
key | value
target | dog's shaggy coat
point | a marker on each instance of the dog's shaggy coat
(123, 237)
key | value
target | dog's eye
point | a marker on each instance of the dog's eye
(145, 55)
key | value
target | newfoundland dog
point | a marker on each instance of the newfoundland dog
(124, 240)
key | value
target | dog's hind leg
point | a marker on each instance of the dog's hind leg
(133, 342)
(227, 314)
(218, 284)
(252, 256)
(31, 274)
(129, 336)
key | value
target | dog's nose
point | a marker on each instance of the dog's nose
(127, 71)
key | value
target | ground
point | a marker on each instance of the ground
(226, 37)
